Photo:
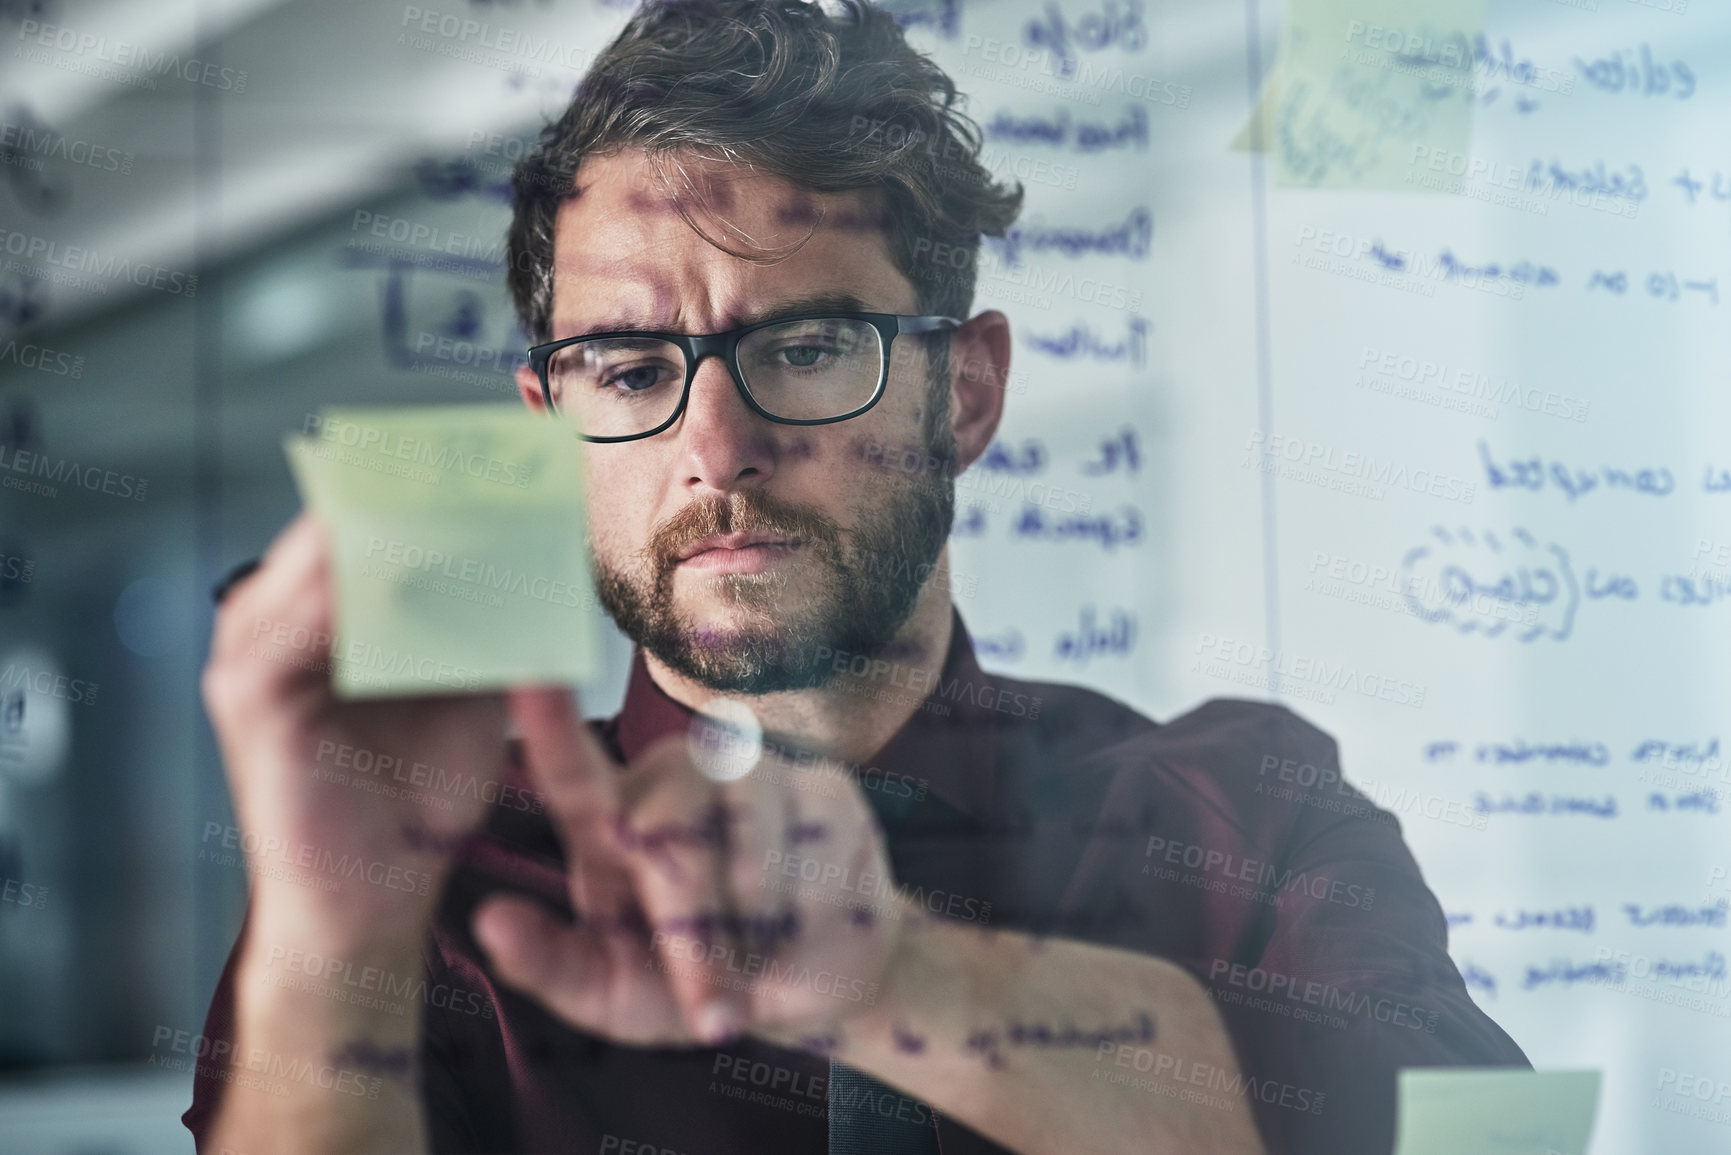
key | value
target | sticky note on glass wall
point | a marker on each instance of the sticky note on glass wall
(458, 548)
(1363, 93)
(1495, 1111)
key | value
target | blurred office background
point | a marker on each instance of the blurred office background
(224, 164)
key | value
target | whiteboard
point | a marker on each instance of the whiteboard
(1441, 467)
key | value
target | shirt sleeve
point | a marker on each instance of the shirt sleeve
(1345, 979)
(207, 1084)
(451, 1074)
(446, 1080)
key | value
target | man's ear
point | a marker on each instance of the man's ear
(979, 375)
(529, 388)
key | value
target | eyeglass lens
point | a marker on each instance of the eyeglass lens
(803, 370)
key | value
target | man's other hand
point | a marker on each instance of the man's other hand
(350, 811)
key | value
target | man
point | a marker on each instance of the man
(943, 911)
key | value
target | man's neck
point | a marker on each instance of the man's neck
(853, 716)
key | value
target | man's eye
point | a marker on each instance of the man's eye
(635, 378)
(802, 356)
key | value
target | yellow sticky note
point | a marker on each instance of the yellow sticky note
(1363, 92)
(1495, 1111)
(459, 552)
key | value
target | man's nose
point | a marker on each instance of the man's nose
(724, 444)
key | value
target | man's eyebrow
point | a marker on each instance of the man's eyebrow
(837, 302)
(820, 303)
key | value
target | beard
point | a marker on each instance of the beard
(868, 582)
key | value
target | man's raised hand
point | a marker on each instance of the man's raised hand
(689, 931)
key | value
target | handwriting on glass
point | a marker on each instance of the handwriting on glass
(1094, 32)
(990, 1043)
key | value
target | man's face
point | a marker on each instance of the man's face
(729, 546)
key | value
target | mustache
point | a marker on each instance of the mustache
(743, 511)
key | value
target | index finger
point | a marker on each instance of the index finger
(574, 774)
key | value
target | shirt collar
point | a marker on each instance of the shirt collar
(949, 741)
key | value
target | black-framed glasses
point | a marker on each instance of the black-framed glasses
(811, 369)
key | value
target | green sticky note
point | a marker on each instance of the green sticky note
(1363, 93)
(458, 548)
(1495, 1111)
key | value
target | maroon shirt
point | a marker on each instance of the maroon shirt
(1041, 808)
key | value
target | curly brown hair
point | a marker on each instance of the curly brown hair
(829, 103)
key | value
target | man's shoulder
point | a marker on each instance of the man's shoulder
(1257, 760)
(1234, 756)
(1223, 736)
(1243, 736)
